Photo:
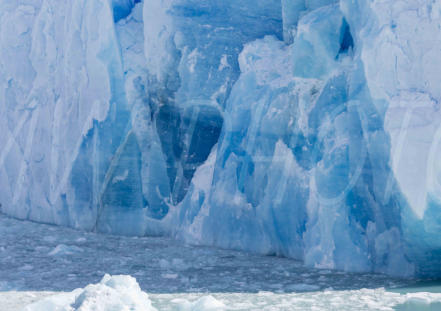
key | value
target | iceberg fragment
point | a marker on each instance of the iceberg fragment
(119, 292)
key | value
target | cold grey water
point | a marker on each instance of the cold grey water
(39, 261)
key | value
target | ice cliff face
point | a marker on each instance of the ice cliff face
(302, 128)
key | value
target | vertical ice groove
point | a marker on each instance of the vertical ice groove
(56, 145)
(13, 137)
(26, 161)
(109, 174)
(68, 169)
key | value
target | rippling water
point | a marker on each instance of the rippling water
(39, 260)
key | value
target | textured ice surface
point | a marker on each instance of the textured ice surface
(118, 292)
(364, 299)
(303, 128)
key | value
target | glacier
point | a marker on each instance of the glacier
(302, 128)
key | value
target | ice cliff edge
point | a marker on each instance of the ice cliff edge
(308, 129)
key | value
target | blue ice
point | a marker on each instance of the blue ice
(300, 128)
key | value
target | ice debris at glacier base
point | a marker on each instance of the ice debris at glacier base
(195, 119)
(122, 292)
(118, 292)
(176, 276)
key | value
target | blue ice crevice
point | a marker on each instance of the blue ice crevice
(122, 8)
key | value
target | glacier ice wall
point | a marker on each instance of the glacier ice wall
(302, 128)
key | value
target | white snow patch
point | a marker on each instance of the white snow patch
(206, 303)
(26, 268)
(63, 250)
(223, 63)
(192, 60)
(120, 177)
(169, 276)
